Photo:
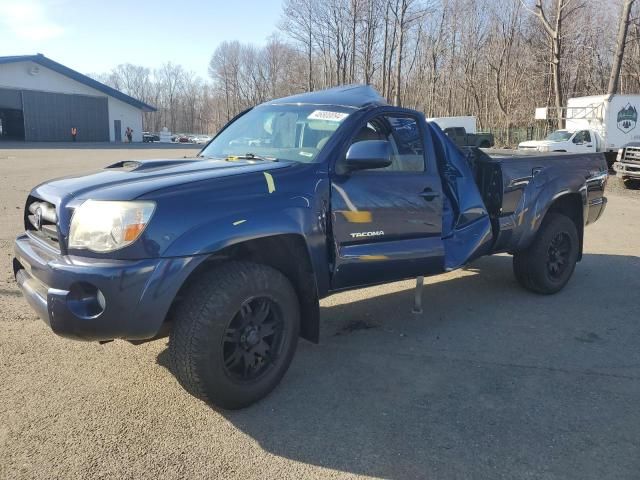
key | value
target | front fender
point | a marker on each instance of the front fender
(202, 218)
(240, 226)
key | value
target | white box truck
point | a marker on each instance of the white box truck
(468, 122)
(599, 123)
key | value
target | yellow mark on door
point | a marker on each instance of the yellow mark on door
(373, 257)
(357, 216)
(271, 186)
(521, 216)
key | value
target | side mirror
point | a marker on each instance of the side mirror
(367, 155)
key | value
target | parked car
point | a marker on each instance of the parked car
(148, 137)
(460, 137)
(229, 253)
(201, 139)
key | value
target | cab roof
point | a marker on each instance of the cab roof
(355, 96)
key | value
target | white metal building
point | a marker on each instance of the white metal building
(42, 100)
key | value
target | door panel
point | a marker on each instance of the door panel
(388, 261)
(589, 142)
(585, 144)
(387, 223)
(117, 130)
(384, 229)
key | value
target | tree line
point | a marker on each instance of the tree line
(497, 60)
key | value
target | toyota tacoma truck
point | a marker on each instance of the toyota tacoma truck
(230, 252)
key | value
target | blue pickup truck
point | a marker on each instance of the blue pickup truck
(230, 252)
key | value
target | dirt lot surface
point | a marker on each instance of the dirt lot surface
(490, 382)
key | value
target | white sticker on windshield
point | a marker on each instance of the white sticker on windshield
(327, 115)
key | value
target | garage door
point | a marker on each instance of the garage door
(49, 117)
(10, 99)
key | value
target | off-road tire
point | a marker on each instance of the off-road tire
(534, 267)
(201, 326)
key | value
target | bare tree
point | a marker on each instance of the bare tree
(614, 78)
(298, 22)
(553, 29)
(170, 78)
(444, 57)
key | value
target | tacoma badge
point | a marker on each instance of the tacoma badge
(367, 234)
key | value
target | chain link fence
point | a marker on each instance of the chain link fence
(511, 137)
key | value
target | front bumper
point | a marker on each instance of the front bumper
(96, 299)
(627, 170)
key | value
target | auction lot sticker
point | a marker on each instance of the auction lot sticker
(327, 115)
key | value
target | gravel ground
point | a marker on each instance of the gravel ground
(490, 382)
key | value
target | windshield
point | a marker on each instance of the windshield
(559, 136)
(282, 132)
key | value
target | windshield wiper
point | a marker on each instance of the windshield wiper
(250, 156)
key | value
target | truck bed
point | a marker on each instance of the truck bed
(516, 187)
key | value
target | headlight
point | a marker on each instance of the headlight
(543, 148)
(620, 154)
(105, 226)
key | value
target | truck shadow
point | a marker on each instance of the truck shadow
(490, 381)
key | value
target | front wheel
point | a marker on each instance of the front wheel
(234, 334)
(547, 265)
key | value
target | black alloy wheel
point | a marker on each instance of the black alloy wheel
(253, 339)
(234, 333)
(548, 263)
(558, 255)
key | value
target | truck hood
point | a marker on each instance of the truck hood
(128, 180)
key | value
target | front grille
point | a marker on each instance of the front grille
(41, 219)
(631, 154)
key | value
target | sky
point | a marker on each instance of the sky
(93, 36)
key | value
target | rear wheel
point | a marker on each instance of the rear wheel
(235, 334)
(547, 265)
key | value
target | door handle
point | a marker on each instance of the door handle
(429, 195)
